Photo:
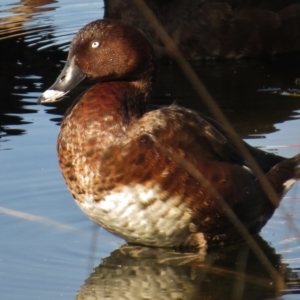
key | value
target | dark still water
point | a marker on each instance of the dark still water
(50, 250)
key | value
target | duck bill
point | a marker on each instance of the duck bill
(70, 76)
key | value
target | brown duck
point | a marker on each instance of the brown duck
(117, 160)
(205, 29)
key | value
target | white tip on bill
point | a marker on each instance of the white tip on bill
(51, 96)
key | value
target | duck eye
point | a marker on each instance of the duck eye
(95, 44)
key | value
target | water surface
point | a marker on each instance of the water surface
(49, 247)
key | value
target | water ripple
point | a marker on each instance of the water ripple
(47, 25)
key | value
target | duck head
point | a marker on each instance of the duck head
(105, 50)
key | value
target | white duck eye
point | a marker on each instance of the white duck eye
(95, 44)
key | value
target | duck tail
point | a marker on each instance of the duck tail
(283, 175)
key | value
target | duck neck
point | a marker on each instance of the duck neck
(123, 101)
(135, 97)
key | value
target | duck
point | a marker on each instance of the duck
(212, 29)
(120, 162)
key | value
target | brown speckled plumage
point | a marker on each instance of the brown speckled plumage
(117, 159)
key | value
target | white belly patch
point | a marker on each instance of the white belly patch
(137, 215)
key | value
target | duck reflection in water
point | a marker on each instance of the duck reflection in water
(234, 272)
